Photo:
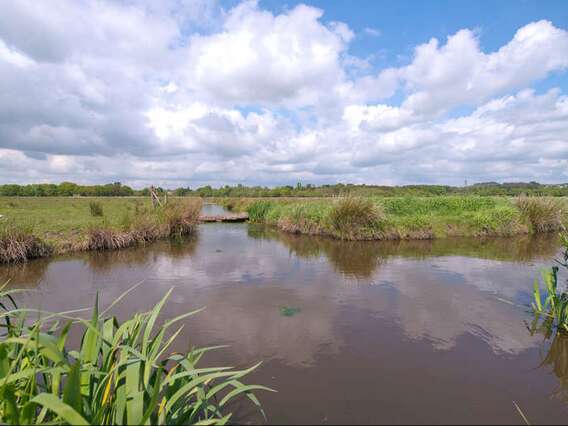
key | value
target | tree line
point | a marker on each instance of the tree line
(300, 190)
(116, 189)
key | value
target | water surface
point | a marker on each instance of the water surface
(349, 332)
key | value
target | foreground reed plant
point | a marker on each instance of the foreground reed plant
(555, 304)
(120, 374)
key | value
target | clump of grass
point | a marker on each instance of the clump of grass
(258, 210)
(304, 218)
(96, 208)
(119, 374)
(543, 214)
(108, 239)
(18, 244)
(352, 217)
(181, 218)
(501, 221)
(144, 228)
(172, 220)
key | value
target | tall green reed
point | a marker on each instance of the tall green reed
(122, 373)
(554, 305)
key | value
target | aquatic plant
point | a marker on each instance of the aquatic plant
(96, 208)
(121, 373)
(543, 214)
(289, 311)
(555, 304)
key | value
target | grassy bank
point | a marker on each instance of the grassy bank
(38, 227)
(406, 217)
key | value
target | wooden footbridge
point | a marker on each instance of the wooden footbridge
(231, 217)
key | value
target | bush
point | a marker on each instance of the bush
(542, 214)
(351, 216)
(96, 208)
(120, 374)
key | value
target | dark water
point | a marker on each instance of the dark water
(406, 332)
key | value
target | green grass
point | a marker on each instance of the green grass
(96, 208)
(69, 223)
(54, 217)
(119, 373)
(401, 217)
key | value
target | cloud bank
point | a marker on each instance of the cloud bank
(185, 92)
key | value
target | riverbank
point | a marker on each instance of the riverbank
(39, 227)
(406, 218)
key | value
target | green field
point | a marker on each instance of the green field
(56, 218)
(69, 223)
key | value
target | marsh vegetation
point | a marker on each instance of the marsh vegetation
(355, 218)
(37, 227)
(553, 306)
(121, 373)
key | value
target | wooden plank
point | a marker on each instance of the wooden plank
(239, 217)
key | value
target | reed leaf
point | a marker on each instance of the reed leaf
(120, 374)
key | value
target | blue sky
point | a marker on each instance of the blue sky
(403, 24)
(195, 92)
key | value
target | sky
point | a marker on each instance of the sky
(197, 92)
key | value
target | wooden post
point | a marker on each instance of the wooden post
(155, 198)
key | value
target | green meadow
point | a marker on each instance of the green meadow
(88, 223)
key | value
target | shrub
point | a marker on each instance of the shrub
(96, 208)
(120, 374)
(543, 214)
(350, 216)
